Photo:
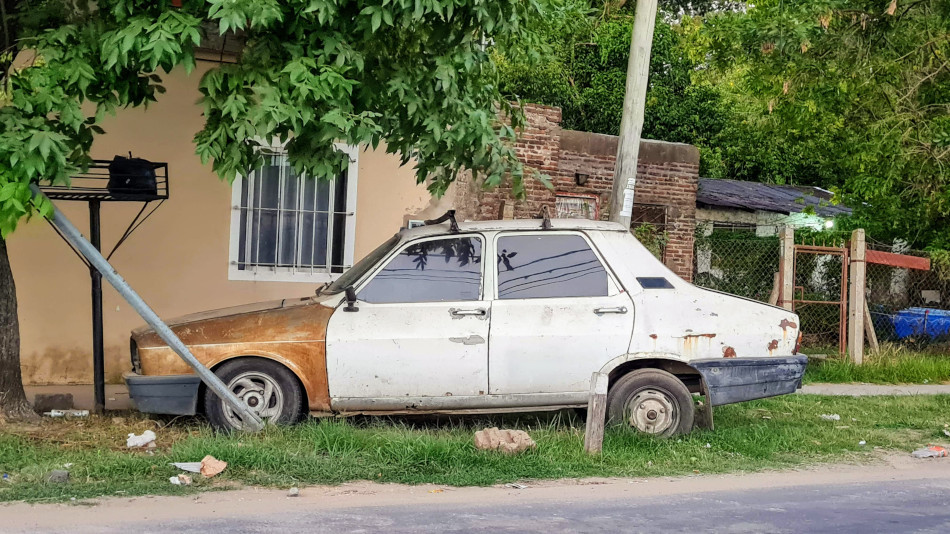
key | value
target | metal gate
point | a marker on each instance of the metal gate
(820, 295)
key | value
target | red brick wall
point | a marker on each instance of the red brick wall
(667, 175)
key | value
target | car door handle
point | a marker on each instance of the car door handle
(616, 309)
(462, 313)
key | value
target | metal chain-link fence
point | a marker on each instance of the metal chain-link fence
(745, 260)
(740, 260)
(909, 307)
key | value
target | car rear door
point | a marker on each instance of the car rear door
(558, 314)
(422, 325)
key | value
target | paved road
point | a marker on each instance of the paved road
(906, 506)
(909, 496)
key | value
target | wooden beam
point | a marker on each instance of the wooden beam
(596, 414)
(786, 295)
(776, 289)
(869, 328)
(898, 260)
(856, 298)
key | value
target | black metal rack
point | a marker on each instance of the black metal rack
(92, 187)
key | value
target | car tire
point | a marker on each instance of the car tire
(267, 387)
(651, 401)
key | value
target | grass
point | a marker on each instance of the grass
(891, 365)
(769, 434)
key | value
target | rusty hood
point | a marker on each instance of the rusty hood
(299, 319)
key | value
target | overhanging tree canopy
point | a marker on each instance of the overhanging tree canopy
(415, 74)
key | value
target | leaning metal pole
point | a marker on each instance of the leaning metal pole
(250, 419)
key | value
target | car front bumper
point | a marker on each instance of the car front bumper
(172, 395)
(730, 380)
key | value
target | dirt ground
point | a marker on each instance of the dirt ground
(250, 502)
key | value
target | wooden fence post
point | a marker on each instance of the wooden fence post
(856, 298)
(787, 268)
(596, 414)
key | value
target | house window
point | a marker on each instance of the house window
(653, 214)
(571, 206)
(288, 228)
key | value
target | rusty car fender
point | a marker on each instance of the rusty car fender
(615, 363)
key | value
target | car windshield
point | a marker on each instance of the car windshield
(354, 273)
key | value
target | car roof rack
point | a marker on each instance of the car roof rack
(447, 216)
(545, 214)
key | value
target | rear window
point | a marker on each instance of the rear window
(548, 266)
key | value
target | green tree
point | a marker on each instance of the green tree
(416, 75)
(862, 86)
(585, 75)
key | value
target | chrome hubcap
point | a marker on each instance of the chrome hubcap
(259, 392)
(652, 411)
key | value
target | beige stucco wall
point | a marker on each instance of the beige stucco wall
(178, 260)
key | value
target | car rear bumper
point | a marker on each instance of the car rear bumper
(173, 395)
(730, 380)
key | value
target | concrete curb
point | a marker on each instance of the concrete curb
(867, 390)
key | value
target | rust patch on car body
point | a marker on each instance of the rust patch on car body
(787, 324)
(728, 352)
(292, 333)
(772, 346)
(691, 341)
(653, 336)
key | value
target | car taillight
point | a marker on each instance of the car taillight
(136, 361)
(798, 343)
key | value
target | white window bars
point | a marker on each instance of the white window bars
(289, 228)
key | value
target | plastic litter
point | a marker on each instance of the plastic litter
(830, 417)
(862, 443)
(933, 451)
(294, 492)
(140, 441)
(180, 480)
(191, 467)
(67, 413)
(516, 486)
(946, 432)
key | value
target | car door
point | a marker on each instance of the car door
(558, 314)
(421, 328)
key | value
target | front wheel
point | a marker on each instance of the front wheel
(266, 387)
(651, 401)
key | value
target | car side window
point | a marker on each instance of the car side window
(439, 270)
(548, 266)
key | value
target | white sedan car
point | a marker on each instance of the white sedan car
(478, 317)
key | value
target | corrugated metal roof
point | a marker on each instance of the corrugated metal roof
(743, 195)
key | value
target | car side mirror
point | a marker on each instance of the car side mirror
(350, 300)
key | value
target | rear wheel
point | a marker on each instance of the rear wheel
(269, 389)
(651, 401)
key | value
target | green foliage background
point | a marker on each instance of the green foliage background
(840, 94)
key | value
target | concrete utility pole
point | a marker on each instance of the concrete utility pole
(634, 101)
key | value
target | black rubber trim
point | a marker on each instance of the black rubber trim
(731, 380)
(172, 395)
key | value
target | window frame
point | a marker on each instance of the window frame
(613, 287)
(292, 274)
(482, 290)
